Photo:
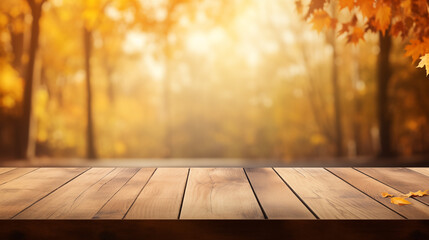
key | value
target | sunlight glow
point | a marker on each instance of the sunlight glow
(134, 42)
(197, 42)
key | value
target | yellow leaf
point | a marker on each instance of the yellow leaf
(419, 193)
(320, 20)
(424, 63)
(385, 194)
(399, 201)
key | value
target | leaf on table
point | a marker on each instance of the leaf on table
(399, 201)
(385, 194)
(419, 193)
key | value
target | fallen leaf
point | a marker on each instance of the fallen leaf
(385, 194)
(419, 193)
(399, 201)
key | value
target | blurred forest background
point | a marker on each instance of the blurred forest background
(199, 78)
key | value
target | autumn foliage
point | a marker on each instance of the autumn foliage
(407, 19)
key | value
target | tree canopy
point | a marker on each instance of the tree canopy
(408, 19)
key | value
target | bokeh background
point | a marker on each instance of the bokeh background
(199, 79)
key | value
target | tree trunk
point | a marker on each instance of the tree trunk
(36, 11)
(337, 105)
(357, 105)
(335, 87)
(17, 44)
(167, 110)
(383, 76)
(90, 145)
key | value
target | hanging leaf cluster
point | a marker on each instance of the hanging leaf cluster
(408, 19)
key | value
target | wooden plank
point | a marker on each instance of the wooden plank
(82, 197)
(331, 198)
(276, 198)
(374, 188)
(20, 193)
(118, 205)
(424, 171)
(3, 170)
(14, 174)
(219, 193)
(162, 196)
(402, 179)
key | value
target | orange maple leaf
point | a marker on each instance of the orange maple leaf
(367, 7)
(385, 194)
(382, 17)
(344, 29)
(397, 28)
(314, 5)
(399, 201)
(320, 20)
(347, 4)
(417, 48)
(356, 35)
(406, 6)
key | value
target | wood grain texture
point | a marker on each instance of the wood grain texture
(424, 171)
(3, 170)
(14, 174)
(219, 193)
(82, 197)
(162, 196)
(277, 200)
(20, 193)
(331, 198)
(374, 188)
(402, 179)
(118, 205)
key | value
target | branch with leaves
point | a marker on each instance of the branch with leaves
(408, 19)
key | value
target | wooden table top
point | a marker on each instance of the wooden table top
(211, 193)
